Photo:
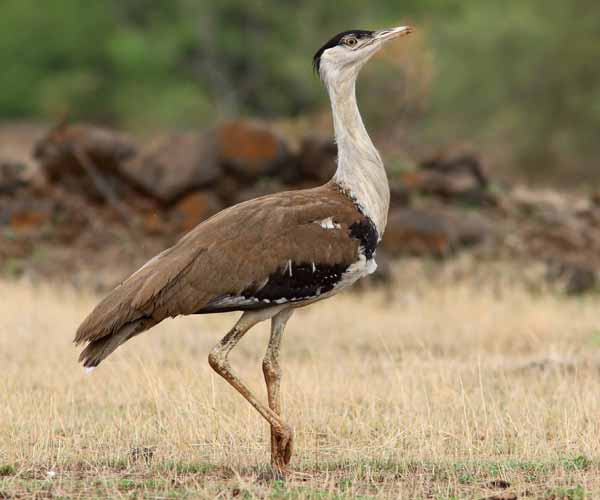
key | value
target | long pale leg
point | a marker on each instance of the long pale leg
(281, 452)
(219, 362)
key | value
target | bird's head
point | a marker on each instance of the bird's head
(344, 55)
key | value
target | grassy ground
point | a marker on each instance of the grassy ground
(443, 389)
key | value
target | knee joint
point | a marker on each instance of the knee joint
(217, 360)
(271, 367)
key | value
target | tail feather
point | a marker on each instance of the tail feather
(112, 322)
(97, 350)
(111, 315)
(137, 304)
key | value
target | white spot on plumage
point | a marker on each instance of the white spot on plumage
(314, 268)
(231, 301)
(371, 266)
(328, 223)
(89, 369)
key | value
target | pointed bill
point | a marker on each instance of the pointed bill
(391, 33)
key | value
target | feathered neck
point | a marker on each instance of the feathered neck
(360, 171)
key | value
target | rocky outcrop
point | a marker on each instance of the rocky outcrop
(94, 185)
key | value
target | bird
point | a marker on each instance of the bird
(268, 256)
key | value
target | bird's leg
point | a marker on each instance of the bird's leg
(219, 362)
(281, 452)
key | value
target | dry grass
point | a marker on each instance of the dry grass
(447, 390)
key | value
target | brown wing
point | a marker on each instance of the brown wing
(234, 251)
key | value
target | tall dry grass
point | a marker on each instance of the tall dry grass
(432, 391)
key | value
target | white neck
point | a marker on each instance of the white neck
(360, 171)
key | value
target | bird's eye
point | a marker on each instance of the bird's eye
(351, 42)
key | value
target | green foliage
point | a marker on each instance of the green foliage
(520, 77)
(577, 493)
(524, 76)
(580, 462)
(7, 470)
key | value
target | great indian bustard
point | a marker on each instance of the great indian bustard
(270, 255)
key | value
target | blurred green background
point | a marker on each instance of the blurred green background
(519, 79)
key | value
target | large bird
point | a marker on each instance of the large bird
(270, 255)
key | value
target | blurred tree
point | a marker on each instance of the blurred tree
(520, 77)
(524, 78)
(45, 56)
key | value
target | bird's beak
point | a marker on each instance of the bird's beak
(391, 33)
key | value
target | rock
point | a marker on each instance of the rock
(450, 187)
(458, 160)
(417, 232)
(399, 195)
(435, 232)
(471, 228)
(15, 248)
(574, 278)
(251, 149)
(27, 221)
(172, 165)
(86, 159)
(153, 223)
(543, 202)
(12, 177)
(263, 188)
(194, 208)
(56, 151)
(26, 214)
(317, 158)
(455, 175)
(228, 188)
(582, 279)
(17, 140)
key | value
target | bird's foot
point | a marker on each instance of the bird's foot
(282, 446)
(284, 473)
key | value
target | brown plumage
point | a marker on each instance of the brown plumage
(231, 252)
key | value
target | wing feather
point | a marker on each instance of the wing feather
(230, 252)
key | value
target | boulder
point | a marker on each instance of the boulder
(455, 175)
(27, 220)
(573, 277)
(26, 214)
(263, 188)
(57, 151)
(433, 232)
(317, 158)
(417, 232)
(170, 166)
(17, 248)
(228, 188)
(458, 160)
(251, 149)
(194, 208)
(86, 159)
(17, 140)
(154, 223)
(12, 177)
